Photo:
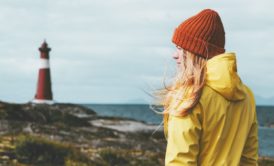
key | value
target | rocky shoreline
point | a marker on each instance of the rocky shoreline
(103, 140)
(78, 136)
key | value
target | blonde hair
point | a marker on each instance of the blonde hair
(184, 92)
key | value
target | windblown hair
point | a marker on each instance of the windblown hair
(184, 92)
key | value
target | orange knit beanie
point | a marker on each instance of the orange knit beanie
(202, 34)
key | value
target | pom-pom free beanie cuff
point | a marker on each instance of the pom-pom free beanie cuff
(202, 34)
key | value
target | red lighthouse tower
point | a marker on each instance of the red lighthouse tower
(44, 93)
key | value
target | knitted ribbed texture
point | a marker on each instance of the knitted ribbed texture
(202, 34)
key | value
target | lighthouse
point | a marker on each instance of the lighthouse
(44, 93)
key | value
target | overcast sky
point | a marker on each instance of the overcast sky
(111, 51)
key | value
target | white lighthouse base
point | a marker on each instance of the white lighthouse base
(39, 101)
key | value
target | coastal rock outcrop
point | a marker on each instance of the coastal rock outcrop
(99, 140)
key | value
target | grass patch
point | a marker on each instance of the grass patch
(113, 157)
(36, 150)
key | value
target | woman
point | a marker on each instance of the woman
(209, 114)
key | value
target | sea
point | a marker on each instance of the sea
(143, 112)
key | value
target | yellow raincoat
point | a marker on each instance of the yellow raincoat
(222, 129)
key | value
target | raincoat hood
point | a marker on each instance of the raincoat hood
(222, 77)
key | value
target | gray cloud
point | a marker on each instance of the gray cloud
(109, 52)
